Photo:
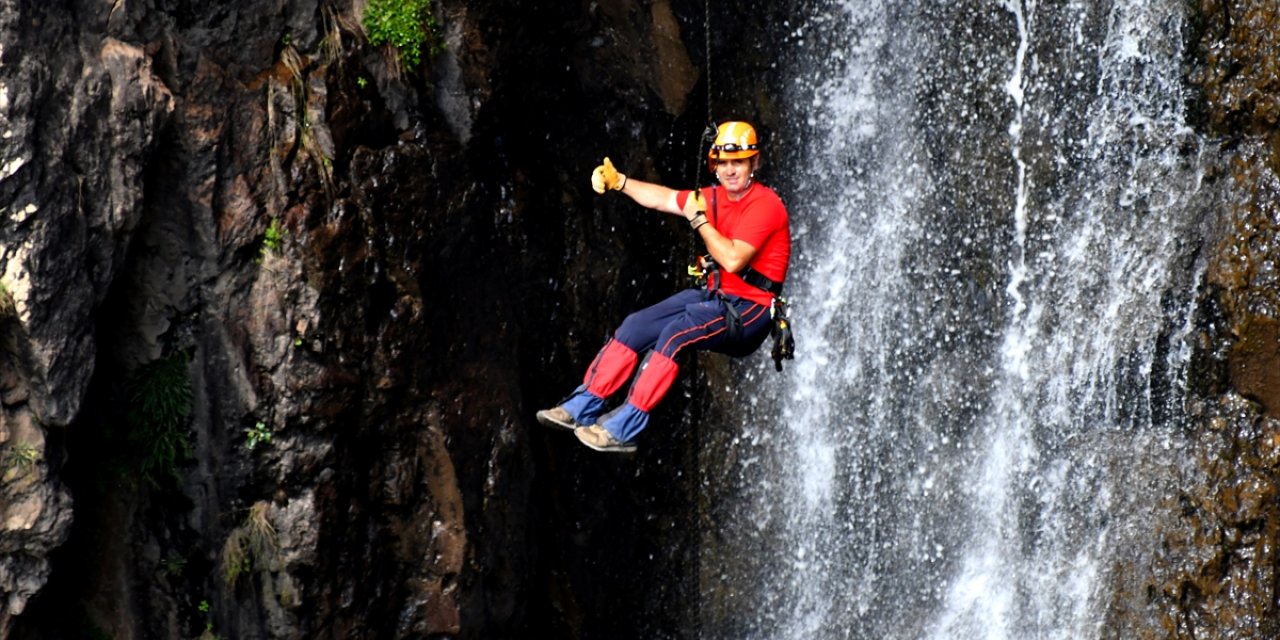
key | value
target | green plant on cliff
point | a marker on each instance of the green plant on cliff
(159, 405)
(407, 25)
(254, 541)
(259, 433)
(24, 455)
(21, 457)
(173, 565)
(273, 239)
(7, 307)
(208, 625)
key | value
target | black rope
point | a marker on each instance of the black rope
(706, 34)
(708, 134)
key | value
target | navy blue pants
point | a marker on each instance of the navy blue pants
(690, 319)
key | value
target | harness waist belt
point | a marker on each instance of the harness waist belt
(759, 281)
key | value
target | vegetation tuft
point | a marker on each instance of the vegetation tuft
(159, 405)
(7, 306)
(258, 434)
(254, 539)
(273, 239)
(407, 25)
(21, 457)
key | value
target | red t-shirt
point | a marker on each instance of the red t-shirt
(758, 219)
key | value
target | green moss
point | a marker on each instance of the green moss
(159, 405)
(407, 25)
(273, 239)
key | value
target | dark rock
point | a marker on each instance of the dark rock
(375, 276)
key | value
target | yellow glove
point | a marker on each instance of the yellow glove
(699, 212)
(699, 204)
(605, 177)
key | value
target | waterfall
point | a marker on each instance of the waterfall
(997, 210)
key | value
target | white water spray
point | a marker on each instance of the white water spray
(995, 234)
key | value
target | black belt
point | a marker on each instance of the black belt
(760, 281)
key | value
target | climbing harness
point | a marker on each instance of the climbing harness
(704, 268)
(706, 273)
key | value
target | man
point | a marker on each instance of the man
(745, 229)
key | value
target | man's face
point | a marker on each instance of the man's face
(735, 174)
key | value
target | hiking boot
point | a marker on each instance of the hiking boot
(599, 439)
(557, 418)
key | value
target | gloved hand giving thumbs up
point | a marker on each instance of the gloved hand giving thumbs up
(606, 177)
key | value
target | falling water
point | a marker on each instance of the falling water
(997, 209)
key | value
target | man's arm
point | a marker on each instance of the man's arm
(653, 196)
(730, 254)
(646, 194)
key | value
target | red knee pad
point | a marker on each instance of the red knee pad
(610, 370)
(657, 374)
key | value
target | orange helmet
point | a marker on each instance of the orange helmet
(733, 140)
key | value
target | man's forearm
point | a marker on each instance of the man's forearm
(732, 255)
(652, 196)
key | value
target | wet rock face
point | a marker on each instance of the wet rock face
(366, 279)
(1216, 560)
(1255, 363)
(1215, 566)
(1237, 68)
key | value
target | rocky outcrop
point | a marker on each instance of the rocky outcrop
(1215, 565)
(79, 130)
(276, 310)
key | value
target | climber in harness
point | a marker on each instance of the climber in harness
(748, 240)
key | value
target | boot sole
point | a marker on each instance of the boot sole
(617, 448)
(545, 419)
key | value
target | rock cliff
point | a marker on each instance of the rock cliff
(1215, 563)
(277, 307)
(276, 310)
